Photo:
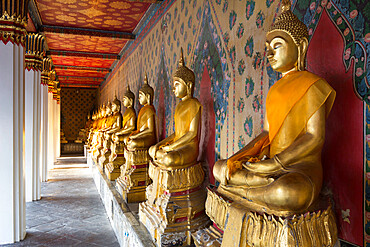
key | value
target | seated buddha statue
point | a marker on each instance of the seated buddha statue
(113, 124)
(145, 134)
(134, 176)
(128, 118)
(181, 149)
(116, 158)
(280, 172)
(176, 172)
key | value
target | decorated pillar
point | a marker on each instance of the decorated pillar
(13, 19)
(34, 50)
(44, 118)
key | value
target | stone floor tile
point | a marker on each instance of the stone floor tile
(70, 213)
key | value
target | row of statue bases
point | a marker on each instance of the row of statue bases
(269, 191)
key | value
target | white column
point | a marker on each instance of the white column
(44, 133)
(51, 131)
(58, 130)
(32, 134)
(12, 206)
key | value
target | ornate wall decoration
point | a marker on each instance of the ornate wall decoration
(227, 38)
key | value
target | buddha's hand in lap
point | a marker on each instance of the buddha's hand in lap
(264, 167)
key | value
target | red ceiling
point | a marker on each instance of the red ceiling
(98, 16)
(114, 15)
(82, 61)
(73, 42)
(81, 73)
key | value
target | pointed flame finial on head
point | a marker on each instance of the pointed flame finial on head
(129, 94)
(146, 79)
(181, 61)
(286, 5)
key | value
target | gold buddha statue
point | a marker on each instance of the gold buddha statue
(279, 173)
(116, 159)
(113, 125)
(175, 200)
(134, 176)
(97, 135)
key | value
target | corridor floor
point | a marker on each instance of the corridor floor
(70, 212)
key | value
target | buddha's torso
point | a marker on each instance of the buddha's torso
(127, 116)
(185, 112)
(145, 113)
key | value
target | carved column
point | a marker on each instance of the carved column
(34, 52)
(13, 19)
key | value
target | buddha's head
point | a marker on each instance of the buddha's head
(146, 93)
(102, 111)
(116, 105)
(128, 97)
(287, 42)
(108, 109)
(183, 80)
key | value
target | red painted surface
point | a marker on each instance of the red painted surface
(343, 151)
(73, 42)
(82, 61)
(161, 114)
(116, 15)
(207, 144)
(64, 72)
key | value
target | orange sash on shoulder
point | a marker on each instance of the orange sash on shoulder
(281, 98)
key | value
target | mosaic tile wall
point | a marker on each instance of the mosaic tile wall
(223, 43)
(76, 103)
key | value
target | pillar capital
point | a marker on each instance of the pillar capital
(46, 68)
(13, 21)
(35, 51)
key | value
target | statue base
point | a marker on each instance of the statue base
(103, 158)
(134, 177)
(175, 205)
(243, 227)
(112, 169)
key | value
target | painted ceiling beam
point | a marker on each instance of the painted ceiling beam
(88, 32)
(71, 67)
(82, 54)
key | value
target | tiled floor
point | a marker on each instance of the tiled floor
(70, 213)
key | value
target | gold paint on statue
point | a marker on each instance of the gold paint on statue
(116, 159)
(284, 178)
(134, 176)
(175, 200)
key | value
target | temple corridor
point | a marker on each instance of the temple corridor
(70, 212)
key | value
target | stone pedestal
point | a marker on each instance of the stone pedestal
(134, 177)
(243, 227)
(175, 204)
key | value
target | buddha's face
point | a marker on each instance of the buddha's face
(127, 102)
(114, 107)
(282, 52)
(180, 89)
(108, 110)
(142, 98)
